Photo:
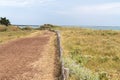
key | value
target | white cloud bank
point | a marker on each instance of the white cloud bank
(103, 9)
(23, 3)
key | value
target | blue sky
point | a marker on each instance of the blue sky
(62, 12)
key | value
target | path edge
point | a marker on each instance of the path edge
(64, 71)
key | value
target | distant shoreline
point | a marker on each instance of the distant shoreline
(88, 27)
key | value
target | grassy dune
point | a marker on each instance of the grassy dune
(91, 54)
(12, 32)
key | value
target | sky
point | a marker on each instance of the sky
(62, 12)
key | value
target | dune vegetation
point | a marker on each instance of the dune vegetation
(91, 54)
(13, 32)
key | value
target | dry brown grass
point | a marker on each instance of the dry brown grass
(96, 50)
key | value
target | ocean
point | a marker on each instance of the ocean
(96, 27)
(89, 27)
(33, 26)
(103, 27)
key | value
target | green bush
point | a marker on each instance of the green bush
(48, 27)
(27, 28)
(4, 21)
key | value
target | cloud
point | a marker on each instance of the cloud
(100, 9)
(23, 3)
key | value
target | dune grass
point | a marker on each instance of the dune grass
(12, 32)
(91, 54)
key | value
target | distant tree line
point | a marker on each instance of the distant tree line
(4, 21)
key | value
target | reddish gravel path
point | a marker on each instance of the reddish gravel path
(33, 58)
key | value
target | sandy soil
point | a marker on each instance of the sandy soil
(31, 58)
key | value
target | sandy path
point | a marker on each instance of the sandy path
(33, 58)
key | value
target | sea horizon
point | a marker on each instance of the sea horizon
(82, 26)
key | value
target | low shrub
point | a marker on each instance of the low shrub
(27, 28)
(78, 72)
